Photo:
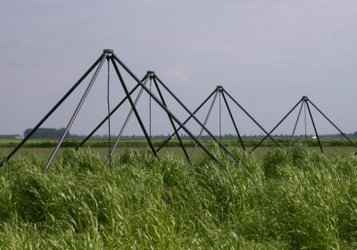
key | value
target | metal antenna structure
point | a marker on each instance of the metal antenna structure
(221, 93)
(119, 67)
(304, 103)
(161, 88)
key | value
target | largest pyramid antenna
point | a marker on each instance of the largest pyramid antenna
(306, 102)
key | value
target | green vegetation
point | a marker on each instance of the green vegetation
(142, 143)
(299, 200)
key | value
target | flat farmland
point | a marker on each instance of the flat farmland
(43, 147)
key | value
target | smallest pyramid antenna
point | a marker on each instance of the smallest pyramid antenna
(307, 102)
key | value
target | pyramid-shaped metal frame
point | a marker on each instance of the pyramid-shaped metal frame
(305, 101)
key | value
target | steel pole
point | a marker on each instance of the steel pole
(167, 110)
(107, 117)
(233, 121)
(197, 120)
(184, 123)
(313, 124)
(204, 123)
(277, 125)
(296, 123)
(70, 123)
(54, 108)
(133, 106)
(339, 130)
(124, 125)
(171, 121)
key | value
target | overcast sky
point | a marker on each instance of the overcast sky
(267, 54)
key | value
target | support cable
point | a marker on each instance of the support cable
(150, 110)
(108, 106)
(220, 115)
(305, 120)
(107, 117)
(125, 124)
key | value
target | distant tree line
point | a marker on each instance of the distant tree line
(56, 133)
(45, 132)
(10, 136)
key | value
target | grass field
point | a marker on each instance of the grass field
(269, 200)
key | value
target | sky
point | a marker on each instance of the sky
(267, 55)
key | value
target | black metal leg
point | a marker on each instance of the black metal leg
(339, 130)
(70, 123)
(233, 121)
(133, 106)
(167, 110)
(171, 121)
(107, 117)
(124, 125)
(276, 126)
(108, 106)
(39, 124)
(313, 124)
(220, 114)
(184, 123)
(197, 120)
(246, 112)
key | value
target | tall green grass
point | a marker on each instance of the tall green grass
(298, 200)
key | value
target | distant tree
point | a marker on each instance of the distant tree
(45, 132)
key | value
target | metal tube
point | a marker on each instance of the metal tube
(167, 111)
(108, 105)
(133, 106)
(313, 124)
(220, 115)
(124, 125)
(184, 123)
(70, 123)
(296, 123)
(305, 124)
(171, 121)
(198, 121)
(204, 123)
(339, 130)
(54, 108)
(150, 115)
(107, 117)
(246, 112)
(233, 121)
(277, 125)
